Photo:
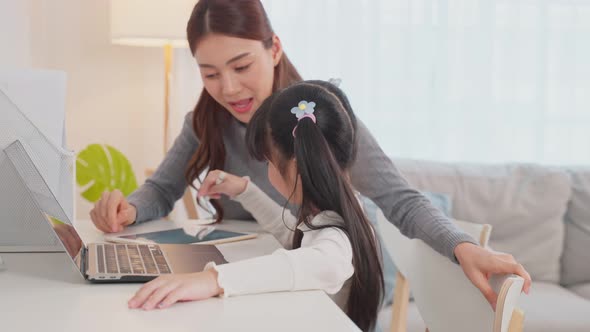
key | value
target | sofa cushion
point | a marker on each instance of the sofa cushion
(575, 262)
(550, 307)
(525, 204)
(582, 290)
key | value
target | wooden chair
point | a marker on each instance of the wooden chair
(444, 296)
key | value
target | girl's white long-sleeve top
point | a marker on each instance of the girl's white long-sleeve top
(324, 260)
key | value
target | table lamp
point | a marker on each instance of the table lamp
(152, 23)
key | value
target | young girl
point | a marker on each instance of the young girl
(308, 138)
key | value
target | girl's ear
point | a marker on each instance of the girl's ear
(277, 50)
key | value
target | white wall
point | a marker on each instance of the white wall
(115, 93)
(14, 34)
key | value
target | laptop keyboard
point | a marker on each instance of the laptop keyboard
(131, 259)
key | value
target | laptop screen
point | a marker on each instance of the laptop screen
(40, 195)
(67, 236)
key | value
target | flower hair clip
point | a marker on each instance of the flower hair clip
(304, 109)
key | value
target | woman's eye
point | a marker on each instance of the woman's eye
(242, 68)
(211, 76)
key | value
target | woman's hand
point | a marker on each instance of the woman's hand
(112, 213)
(219, 182)
(166, 290)
(479, 264)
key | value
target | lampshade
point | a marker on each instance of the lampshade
(150, 22)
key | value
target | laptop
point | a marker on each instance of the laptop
(105, 262)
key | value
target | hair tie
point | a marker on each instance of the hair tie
(303, 110)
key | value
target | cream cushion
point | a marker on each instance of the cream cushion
(576, 251)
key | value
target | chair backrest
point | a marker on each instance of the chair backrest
(480, 232)
(445, 297)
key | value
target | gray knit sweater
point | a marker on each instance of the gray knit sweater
(373, 175)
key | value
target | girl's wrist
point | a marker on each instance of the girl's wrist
(244, 184)
(212, 274)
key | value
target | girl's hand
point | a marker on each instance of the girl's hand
(219, 182)
(479, 264)
(166, 290)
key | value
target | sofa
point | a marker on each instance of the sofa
(540, 215)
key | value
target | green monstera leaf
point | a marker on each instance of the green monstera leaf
(101, 168)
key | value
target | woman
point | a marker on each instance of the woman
(242, 63)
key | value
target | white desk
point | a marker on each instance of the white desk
(44, 292)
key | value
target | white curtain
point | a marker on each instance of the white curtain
(454, 80)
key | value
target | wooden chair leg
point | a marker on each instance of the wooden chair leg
(401, 299)
(190, 204)
(517, 321)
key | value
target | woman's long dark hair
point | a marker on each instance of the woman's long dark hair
(324, 151)
(236, 18)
